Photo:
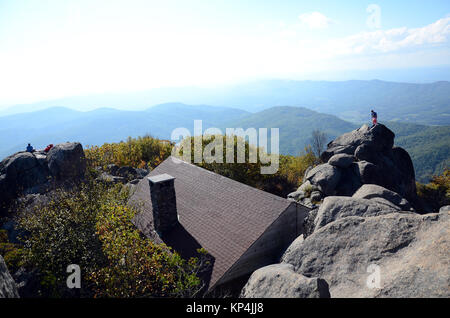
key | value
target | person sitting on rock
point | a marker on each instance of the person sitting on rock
(374, 118)
(30, 148)
(47, 149)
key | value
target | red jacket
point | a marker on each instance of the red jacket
(48, 148)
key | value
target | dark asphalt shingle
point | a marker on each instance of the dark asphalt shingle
(219, 214)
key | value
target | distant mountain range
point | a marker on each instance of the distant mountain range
(429, 146)
(59, 124)
(427, 104)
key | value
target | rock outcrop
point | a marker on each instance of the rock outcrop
(8, 288)
(335, 208)
(66, 161)
(26, 173)
(380, 194)
(363, 156)
(390, 255)
(363, 235)
(398, 254)
(281, 281)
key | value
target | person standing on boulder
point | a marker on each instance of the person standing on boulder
(374, 117)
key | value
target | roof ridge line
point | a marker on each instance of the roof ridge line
(274, 196)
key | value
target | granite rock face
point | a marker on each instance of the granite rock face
(281, 281)
(25, 173)
(376, 192)
(389, 255)
(334, 208)
(363, 156)
(66, 161)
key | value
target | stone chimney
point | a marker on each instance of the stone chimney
(162, 192)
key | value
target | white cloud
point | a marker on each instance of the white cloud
(386, 41)
(314, 20)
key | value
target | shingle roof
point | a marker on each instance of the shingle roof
(219, 214)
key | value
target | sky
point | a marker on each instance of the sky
(55, 48)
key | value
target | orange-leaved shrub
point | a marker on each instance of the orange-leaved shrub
(437, 192)
(137, 267)
(140, 152)
(244, 168)
(91, 226)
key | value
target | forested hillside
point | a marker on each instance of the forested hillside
(428, 146)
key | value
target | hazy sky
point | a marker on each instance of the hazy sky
(51, 49)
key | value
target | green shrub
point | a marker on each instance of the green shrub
(91, 226)
(288, 177)
(12, 254)
(437, 192)
(136, 266)
(62, 232)
(3, 236)
(141, 152)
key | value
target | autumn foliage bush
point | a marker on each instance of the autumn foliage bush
(140, 152)
(437, 192)
(91, 226)
(149, 152)
(285, 180)
(11, 252)
(137, 267)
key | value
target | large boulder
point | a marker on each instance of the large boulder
(376, 192)
(391, 255)
(379, 137)
(26, 173)
(67, 161)
(367, 152)
(405, 176)
(21, 173)
(341, 160)
(364, 156)
(368, 172)
(281, 281)
(335, 207)
(325, 177)
(350, 180)
(8, 288)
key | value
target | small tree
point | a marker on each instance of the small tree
(318, 142)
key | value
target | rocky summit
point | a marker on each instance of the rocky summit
(363, 156)
(364, 236)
